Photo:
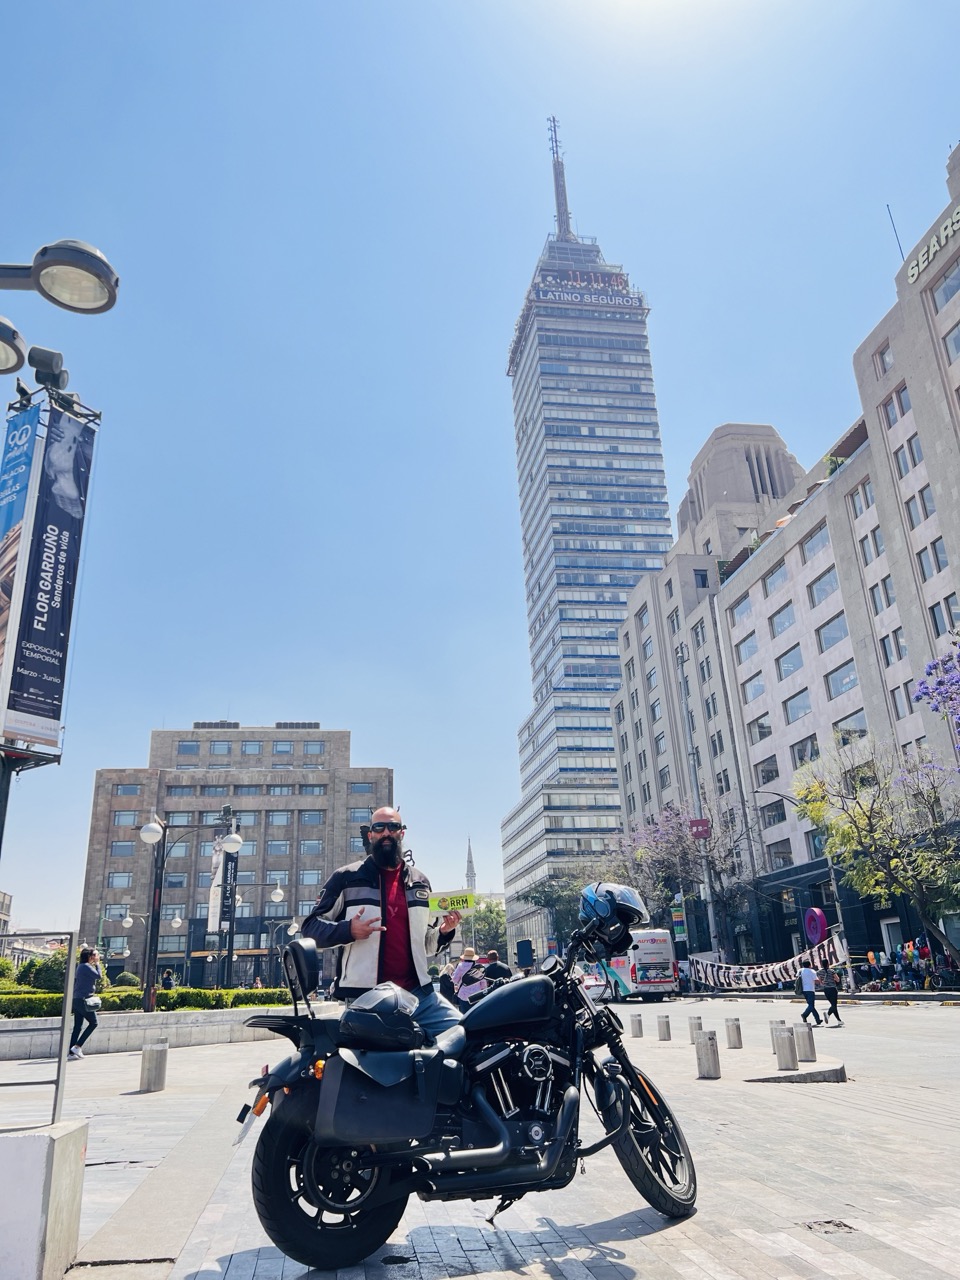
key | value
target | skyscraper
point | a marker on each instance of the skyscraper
(593, 508)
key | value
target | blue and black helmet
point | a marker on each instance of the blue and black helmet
(617, 908)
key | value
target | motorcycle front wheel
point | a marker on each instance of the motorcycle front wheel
(311, 1200)
(652, 1149)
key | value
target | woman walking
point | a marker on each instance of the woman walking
(84, 985)
(828, 981)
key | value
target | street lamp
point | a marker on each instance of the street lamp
(70, 274)
(155, 834)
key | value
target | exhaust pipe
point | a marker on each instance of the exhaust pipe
(476, 1157)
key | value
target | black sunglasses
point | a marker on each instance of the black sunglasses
(378, 827)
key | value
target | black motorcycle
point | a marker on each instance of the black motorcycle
(364, 1114)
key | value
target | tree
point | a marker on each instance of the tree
(940, 687)
(6, 967)
(489, 928)
(50, 973)
(893, 825)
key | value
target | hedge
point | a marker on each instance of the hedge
(42, 1004)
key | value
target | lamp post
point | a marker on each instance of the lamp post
(155, 834)
(275, 896)
(682, 655)
(292, 931)
(761, 791)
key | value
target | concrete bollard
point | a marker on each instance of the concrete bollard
(153, 1067)
(696, 1024)
(708, 1056)
(636, 1025)
(803, 1039)
(776, 1024)
(663, 1026)
(734, 1034)
(786, 1049)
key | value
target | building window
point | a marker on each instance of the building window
(280, 789)
(314, 748)
(668, 588)
(766, 771)
(126, 789)
(805, 751)
(367, 787)
(780, 854)
(886, 650)
(311, 875)
(822, 587)
(313, 788)
(246, 818)
(771, 815)
(188, 747)
(775, 578)
(916, 452)
(884, 360)
(125, 817)
(647, 648)
(119, 879)
(947, 286)
(278, 817)
(889, 595)
(660, 744)
(781, 620)
(645, 793)
(221, 748)
(890, 411)
(814, 542)
(926, 501)
(121, 849)
(674, 622)
(841, 680)
(283, 748)
(181, 818)
(723, 782)
(175, 880)
(642, 617)
(746, 648)
(866, 550)
(741, 610)
(898, 698)
(760, 728)
(251, 748)
(856, 503)
(925, 564)
(656, 711)
(832, 632)
(706, 669)
(850, 728)
(181, 791)
(953, 609)
(664, 776)
(952, 343)
(212, 817)
(630, 669)
(652, 679)
(356, 844)
(311, 848)
(797, 707)
(903, 400)
(701, 579)
(312, 817)
(716, 744)
(789, 663)
(278, 848)
(939, 554)
(902, 461)
(938, 619)
(214, 791)
(700, 634)
(244, 790)
(753, 687)
(359, 815)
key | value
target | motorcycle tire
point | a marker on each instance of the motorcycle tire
(652, 1150)
(298, 1193)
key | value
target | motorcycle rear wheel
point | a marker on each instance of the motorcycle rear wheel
(652, 1150)
(310, 1199)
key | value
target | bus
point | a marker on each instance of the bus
(647, 972)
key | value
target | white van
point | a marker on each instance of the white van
(648, 971)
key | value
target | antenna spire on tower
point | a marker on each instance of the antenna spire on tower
(559, 183)
(471, 870)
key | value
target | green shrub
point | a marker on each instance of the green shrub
(125, 979)
(6, 968)
(266, 995)
(26, 971)
(50, 974)
(36, 1004)
(121, 1001)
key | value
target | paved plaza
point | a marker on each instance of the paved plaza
(796, 1180)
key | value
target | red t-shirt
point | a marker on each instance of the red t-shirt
(396, 961)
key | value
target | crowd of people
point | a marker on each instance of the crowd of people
(470, 976)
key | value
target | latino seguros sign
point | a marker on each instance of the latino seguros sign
(33, 676)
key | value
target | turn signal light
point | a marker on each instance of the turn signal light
(260, 1105)
(318, 1068)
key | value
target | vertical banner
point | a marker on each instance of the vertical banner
(229, 893)
(216, 876)
(39, 665)
(15, 464)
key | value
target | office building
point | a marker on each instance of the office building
(299, 803)
(827, 617)
(594, 519)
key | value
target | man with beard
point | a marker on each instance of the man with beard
(377, 913)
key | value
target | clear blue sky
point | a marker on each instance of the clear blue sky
(324, 218)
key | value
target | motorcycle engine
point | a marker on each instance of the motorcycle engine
(525, 1084)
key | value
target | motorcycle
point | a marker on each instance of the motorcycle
(363, 1115)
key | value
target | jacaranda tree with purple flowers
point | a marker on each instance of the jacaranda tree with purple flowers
(940, 687)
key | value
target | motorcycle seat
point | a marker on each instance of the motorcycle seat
(452, 1042)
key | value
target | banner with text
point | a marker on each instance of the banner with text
(36, 691)
(18, 449)
(829, 952)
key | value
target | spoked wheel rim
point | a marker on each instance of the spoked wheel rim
(327, 1185)
(657, 1138)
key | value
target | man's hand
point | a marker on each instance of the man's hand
(360, 929)
(450, 921)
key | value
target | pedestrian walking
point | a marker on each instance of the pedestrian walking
(85, 1000)
(808, 985)
(469, 979)
(831, 989)
(495, 967)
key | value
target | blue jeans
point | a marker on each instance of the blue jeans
(433, 1013)
(810, 997)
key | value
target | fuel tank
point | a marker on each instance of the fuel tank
(518, 1003)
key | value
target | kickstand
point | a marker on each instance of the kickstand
(505, 1203)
